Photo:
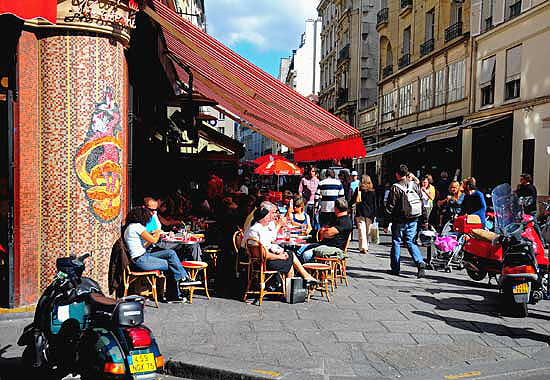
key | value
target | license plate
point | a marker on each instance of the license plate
(142, 363)
(521, 288)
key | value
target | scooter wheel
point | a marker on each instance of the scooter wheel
(514, 309)
(476, 275)
(43, 372)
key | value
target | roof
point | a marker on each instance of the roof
(274, 109)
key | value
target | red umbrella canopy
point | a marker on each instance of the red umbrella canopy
(278, 167)
(268, 157)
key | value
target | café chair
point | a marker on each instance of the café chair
(144, 283)
(213, 251)
(321, 272)
(239, 261)
(193, 268)
(258, 275)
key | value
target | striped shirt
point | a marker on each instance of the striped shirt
(327, 192)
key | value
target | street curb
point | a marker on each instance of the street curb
(17, 313)
(201, 372)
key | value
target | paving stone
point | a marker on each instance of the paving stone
(431, 338)
(377, 315)
(389, 338)
(346, 336)
(408, 327)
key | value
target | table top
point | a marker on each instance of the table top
(295, 242)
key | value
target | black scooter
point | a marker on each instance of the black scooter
(77, 330)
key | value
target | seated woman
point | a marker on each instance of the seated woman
(474, 201)
(299, 217)
(450, 205)
(277, 258)
(137, 240)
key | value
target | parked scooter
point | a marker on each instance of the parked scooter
(515, 253)
(77, 330)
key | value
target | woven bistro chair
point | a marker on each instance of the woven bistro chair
(144, 283)
(258, 275)
(237, 250)
(338, 266)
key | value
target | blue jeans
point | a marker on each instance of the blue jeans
(305, 252)
(165, 260)
(407, 232)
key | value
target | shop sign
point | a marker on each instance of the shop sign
(113, 13)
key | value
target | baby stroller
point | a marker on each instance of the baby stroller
(445, 250)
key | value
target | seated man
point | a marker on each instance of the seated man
(332, 239)
(277, 258)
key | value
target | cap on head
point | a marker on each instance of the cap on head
(354, 172)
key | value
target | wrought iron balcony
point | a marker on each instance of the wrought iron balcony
(343, 54)
(453, 31)
(382, 16)
(405, 60)
(406, 3)
(515, 10)
(387, 71)
(342, 96)
(427, 47)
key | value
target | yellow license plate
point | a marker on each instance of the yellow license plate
(142, 363)
(521, 288)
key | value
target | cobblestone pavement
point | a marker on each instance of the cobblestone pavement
(381, 326)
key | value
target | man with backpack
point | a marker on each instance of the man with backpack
(404, 208)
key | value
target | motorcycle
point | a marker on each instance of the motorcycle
(515, 253)
(78, 330)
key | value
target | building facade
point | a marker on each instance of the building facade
(511, 85)
(349, 51)
(192, 10)
(424, 71)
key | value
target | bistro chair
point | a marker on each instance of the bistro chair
(144, 283)
(193, 268)
(240, 260)
(258, 275)
(213, 251)
(321, 272)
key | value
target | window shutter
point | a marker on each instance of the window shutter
(487, 71)
(525, 5)
(498, 11)
(475, 20)
(513, 63)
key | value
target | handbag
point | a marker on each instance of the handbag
(295, 290)
(358, 197)
(374, 233)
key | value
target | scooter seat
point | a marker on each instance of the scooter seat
(481, 234)
(101, 303)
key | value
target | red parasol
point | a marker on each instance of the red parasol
(269, 157)
(278, 167)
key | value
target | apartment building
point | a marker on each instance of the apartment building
(192, 10)
(423, 89)
(349, 50)
(511, 88)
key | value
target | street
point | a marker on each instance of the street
(444, 326)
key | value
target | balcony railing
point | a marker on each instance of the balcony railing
(342, 96)
(515, 10)
(406, 3)
(343, 54)
(382, 16)
(427, 47)
(405, 60)
(387, 71)
(453, 31)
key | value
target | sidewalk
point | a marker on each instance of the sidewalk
(379, 327)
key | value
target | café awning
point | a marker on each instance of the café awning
(269, 106)
(30, 9)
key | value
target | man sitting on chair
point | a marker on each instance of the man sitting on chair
(277, 258)
(333, 238)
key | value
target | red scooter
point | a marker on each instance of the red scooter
(515, 252)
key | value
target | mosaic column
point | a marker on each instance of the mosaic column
(82, 110)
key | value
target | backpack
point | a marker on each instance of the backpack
(412, 204)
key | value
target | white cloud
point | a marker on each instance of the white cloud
(267, 24)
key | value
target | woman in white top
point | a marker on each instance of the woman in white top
(137, 240)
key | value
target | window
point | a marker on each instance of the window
(429, 31)
(221, 129)
(456, 81)
(487, 15)
(528, 156)
(405, 100)
(487, 81)
(456, 12)
(389, 56)
(513, 8)
(222, 116)
(513, 73)
(426, 92)
(439, 87)
(387, 106)
(407, 40)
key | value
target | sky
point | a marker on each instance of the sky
(262, 31)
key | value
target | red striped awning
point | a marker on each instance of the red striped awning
(29, 9)
(272, 108)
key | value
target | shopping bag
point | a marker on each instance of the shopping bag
(374, 234)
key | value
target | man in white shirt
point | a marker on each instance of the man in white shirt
(327, 192)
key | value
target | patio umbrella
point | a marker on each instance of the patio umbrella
(268, 157)
(278, 167)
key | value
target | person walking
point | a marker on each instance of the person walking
(404, 208)
(307, 189)
(428, 195)
(364, 198)
(528, 192)
(327, 192)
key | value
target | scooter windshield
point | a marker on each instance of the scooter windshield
(507, 207)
